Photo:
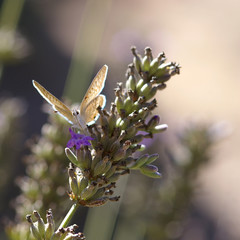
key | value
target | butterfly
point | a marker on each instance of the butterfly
(87, 113)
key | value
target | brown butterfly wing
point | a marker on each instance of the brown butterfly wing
(57, 105)
(91, 113)
(95, 88)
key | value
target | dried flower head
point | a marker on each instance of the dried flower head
(100, 153)
(46, 231)
(95, 168)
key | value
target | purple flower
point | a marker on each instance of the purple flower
(78, 140)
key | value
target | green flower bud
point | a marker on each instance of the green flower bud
(140, 162)
(89, 191)
(118, 121)
(159, 128)
(151, 93)
(166, 71)
(145, 64)
(146, 88)
(103, 118)
(124, 123)
(147, 59)
(105, 141)
(108, 166)
(34, 228)
(150, 171)
(152, 174)
(112, 121)
(110, 172)
(82, 183)
(114, 177)
(128, 104)
(80, 157)
(114, 147)
(152, 158)
(163, 78)
(100, 168)
(136, 106)
(161, 86)
(87, 156)
(84, 162)
(140, 84)
(129, 160)
(73, 181)
(40, 224)
(131, 83)
(155, 63)
(96, 159)
(138, 138)
(153, 122)
(148, 51)
(71, 156)
(120, 154)
(131, 132)
(142, 113)
(163, 69)
(137, 60)
(49, 226)
(35, 231)
(100, 192)
(49, 232)
(119, 103)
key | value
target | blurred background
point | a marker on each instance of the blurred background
(62, 44)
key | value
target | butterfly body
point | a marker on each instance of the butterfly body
(87, 112)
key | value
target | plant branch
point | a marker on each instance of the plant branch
(69, 215)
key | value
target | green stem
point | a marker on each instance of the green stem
(10, 13)
(69, 215)
(1, 71)
(93, 23)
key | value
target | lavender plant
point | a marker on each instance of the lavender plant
(11, 123)
(100, 153)
(178, 192)
(173, 198)
(43, 173)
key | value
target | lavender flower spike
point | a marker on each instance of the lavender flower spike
(77, 140)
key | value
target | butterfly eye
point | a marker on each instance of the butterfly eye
(75, 112)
